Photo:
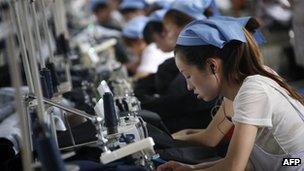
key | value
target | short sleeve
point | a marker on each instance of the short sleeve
(252, 105)
(148, 64)
(150, 59)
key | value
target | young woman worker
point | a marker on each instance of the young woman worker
(220, 57)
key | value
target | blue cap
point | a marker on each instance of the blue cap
(211, 32)
(93, 3)
(132, 4)
(258, 35)
(193, 8)
(158, 15)
(134, 28)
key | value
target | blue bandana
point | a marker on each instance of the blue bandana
(134, 28)
(211, 32)
(192, 8)
(258, 35)
(132, 4)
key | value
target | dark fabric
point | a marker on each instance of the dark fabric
(94, 166)
(6, 78)
(154, 119)
(78, 97)
(163, 140)
(6, 150)
(119, 48)
(145, 88)
(120, 52)
(82, 133)
(165, 145)
(183, 151)
(189, 155)
(166, 73)
(86, 131)
(12, 164)
(178, 107)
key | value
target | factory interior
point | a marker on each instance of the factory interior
(152, 85)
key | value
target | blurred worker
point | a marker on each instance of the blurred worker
(132, 8)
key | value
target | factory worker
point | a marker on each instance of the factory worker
(147, 56)
(178, 108)
(221, 123)
(152, 56)
(102, 11)
(107, 26)
(179, 13)
(154, 30)
(219, 57)
(132, 8)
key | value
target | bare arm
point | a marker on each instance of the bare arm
(140, 74)
(239, 149)
(216, 130)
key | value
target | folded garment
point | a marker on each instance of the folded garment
(10, 130)
(7, 109)
(7, 101)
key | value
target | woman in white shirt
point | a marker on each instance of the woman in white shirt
(220, 57)
(147, 58)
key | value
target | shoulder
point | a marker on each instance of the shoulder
(253, 104)
(150, 48)
(252, 85)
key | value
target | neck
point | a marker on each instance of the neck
(142, 48)
(230, 90)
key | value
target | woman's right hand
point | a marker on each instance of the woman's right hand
(181, 135)
(175, 166)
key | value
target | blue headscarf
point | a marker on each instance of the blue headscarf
(158, 15)
(93, 3)
(258, 35)
(132, 4)
(211, 32)
(192, 8)
(134, 28)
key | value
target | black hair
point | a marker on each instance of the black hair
(178, 18)
(128, 10)
(150, 28)
(208, 12)
(100, 6)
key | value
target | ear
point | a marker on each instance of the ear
(212, 65)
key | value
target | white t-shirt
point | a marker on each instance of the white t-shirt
(151, 58)
(281, 130)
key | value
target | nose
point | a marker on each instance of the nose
(189, 86)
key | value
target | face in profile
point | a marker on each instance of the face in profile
(161, 42)
(171, 32)
(103, 14)
(203, 83)
(135, 47)
(129, 15)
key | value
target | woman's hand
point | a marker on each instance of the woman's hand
(175, 166)
(181, 135)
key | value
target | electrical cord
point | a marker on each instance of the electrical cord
(220, 102)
